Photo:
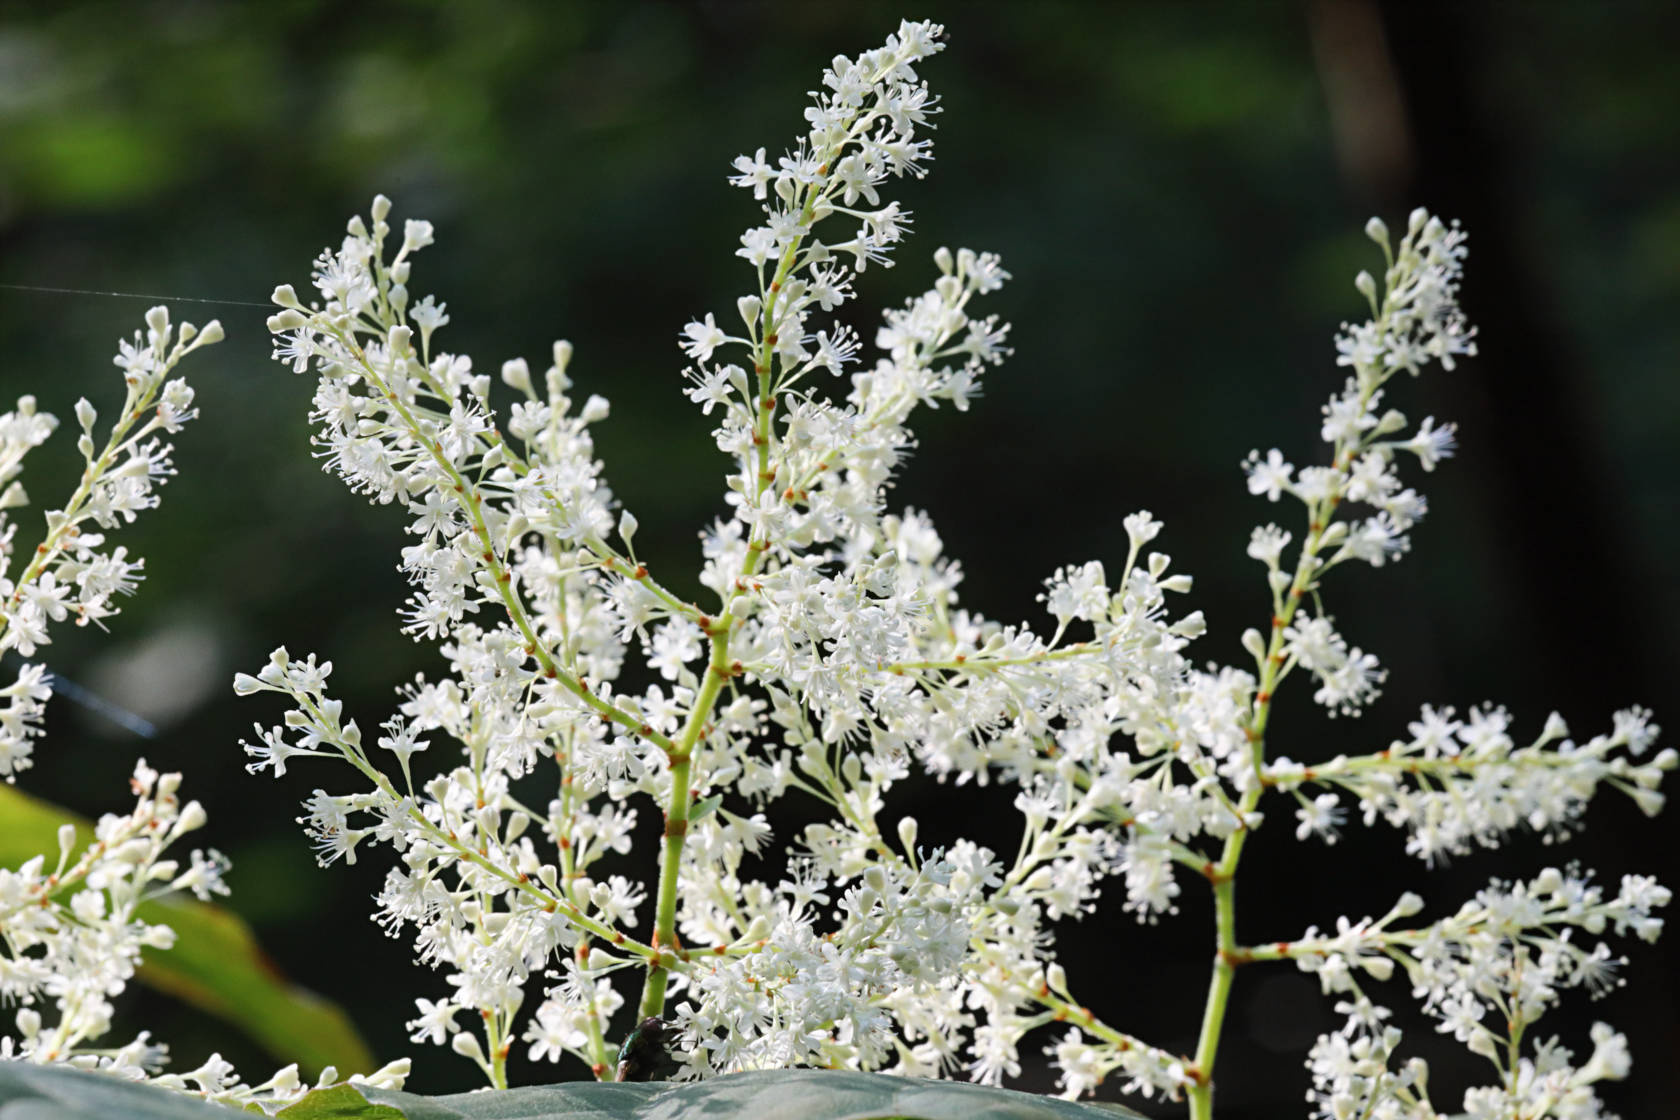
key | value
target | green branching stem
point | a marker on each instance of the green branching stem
(676, 822)
(719, 668)
(1224, 873)
(1308, 569)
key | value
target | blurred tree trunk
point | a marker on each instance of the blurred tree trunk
(1415, 123)
(1406, 84)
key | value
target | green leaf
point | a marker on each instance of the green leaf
(788, 1094)
(31, 1092)
(341, 1102)
(215, 965)
(58, 1093)
(701, 808)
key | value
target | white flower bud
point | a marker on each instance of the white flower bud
(1377, 230)
(627, 525)
(86, 414)
(1392, 421)
(1378, 968)
(417, 234)
(1254, 644)
(851, 768)
(595, 409)
(1649, 801)
(211, 334)
(1141, 528)
(391, 1075)
(381, 208)
(286, 321)
(1192, 625)
(517, 375)
(192, 816)
(158, 937)
(907, 834)
(750, 307)
(1482, 1042)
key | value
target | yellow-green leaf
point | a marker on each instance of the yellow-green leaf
(341, 1102)
(215, 964)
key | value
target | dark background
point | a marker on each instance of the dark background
(1179, 191)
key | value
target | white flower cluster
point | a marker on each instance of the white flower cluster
(1461, 782)
(71, 931)
(71, 572)
(835, 659)
(1415, 319)
(1486, 974)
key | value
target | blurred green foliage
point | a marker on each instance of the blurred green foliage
(1163, 181)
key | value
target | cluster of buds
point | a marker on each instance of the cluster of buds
(72, 571)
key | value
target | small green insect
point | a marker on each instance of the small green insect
(646, 1054)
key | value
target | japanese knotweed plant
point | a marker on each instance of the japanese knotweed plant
(831, 658)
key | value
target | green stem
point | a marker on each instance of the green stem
(592, 1025)
(498, 1051)
(1219, 990)
(719, 668)
(676, 819)
(1224, 875)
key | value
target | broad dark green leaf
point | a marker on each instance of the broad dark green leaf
(791, 1094)
(31, 1092)
(216, 963)
(55, 1093)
